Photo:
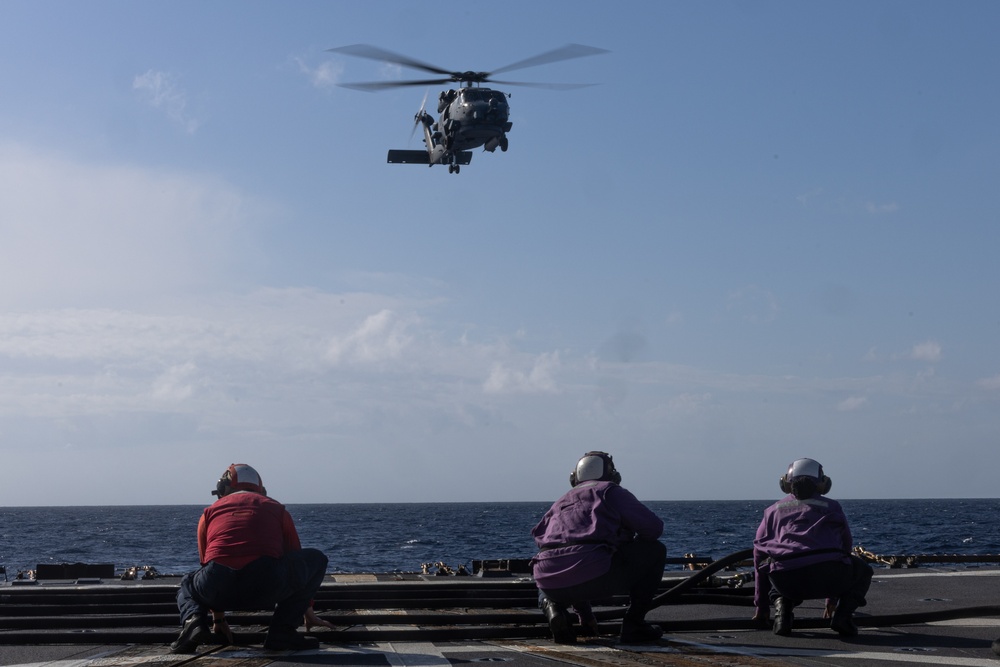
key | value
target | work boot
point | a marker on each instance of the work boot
(588, 624)
(194, 631)
(843, 624)
(559, 622)
(782, 617)
(287, 639)
(639, 632)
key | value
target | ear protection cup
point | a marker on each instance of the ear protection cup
(807, 467)
(825, 483)
(784, 484)
(223, 486)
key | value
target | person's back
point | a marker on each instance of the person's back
(802, 551)
(243, 526)
(815, 527)
(251, 558)
(598, 540)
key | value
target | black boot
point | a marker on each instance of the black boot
(194, 631)
(639, 632)
(280, 638)
(782, 617)
(560, 623)
(843, 624)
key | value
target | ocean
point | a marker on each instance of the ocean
(402, 537)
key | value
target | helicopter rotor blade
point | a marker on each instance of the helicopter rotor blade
(375, 53)
(466, 78)
(547, 86)
(372, 86)
(555, 55)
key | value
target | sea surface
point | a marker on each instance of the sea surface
(402, 537)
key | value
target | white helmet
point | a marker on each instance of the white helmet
(595, 466)
(239, 477)
(805, 468)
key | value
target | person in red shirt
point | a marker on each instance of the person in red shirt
(251, 558)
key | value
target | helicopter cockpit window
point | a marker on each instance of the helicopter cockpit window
(498, 99)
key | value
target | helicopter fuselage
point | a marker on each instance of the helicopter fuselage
(473, 117)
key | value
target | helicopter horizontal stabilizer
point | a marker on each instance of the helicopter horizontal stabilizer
(421, 157)
(408, 157)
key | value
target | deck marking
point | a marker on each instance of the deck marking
(980, 622)
(76, 662)
(910, 575)
(413, 654)
(761, 652)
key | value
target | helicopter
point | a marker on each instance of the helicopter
(470, 114)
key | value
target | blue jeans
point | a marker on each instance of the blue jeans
(287, 584)
(636, 569)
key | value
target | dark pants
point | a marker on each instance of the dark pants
(636, 569)
(847, 582)
(287, 584)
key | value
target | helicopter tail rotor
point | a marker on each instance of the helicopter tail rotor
(419, 116)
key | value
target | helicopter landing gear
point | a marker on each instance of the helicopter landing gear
(503, 143)
(454, 168)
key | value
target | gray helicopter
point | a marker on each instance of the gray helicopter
(470, 116)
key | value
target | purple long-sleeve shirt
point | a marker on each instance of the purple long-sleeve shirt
(580, 532)
(792, 526)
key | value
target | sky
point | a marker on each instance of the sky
(768, 231)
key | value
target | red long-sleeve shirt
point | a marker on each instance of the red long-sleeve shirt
(239, 528)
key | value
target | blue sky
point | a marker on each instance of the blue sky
(770, 231)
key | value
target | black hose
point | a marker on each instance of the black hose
(701, 576)
(674, 592)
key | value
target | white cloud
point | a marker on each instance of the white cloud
(852, 403)
(72, 229)
(990, 383)
(161, 91)
(175, 384)
(538, 379)
(890, 207)
(929, 351)
(325, 75)
(380, 337)
(806, 197)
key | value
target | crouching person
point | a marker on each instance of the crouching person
(803, 552)
(251, 559)
(596, 541)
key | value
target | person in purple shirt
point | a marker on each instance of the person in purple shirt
(803, 552)
(596, 541)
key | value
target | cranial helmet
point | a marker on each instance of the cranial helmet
(805, 468)
(595, 466)
(239, 477)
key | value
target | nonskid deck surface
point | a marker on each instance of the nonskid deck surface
(939, 616)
